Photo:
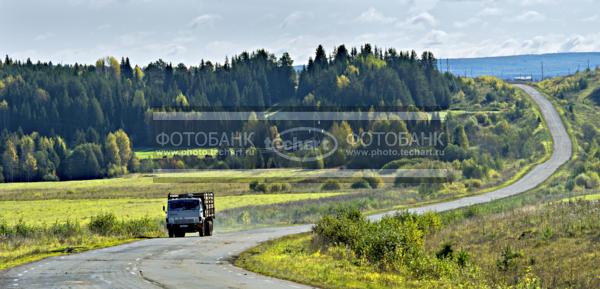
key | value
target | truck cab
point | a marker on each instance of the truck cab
(193, 212)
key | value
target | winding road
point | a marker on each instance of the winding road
(206, 262)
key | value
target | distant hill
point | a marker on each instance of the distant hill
(509, 67)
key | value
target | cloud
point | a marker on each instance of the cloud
(206, 20)
(43, 36)
(372, 15)
(529, 16)
(435, 37)
(135, 38)
(535, 2)
(104, 27)
(466, 23)
(425, 19)
(417, 6)
(490, 11)
(572, 43)
(592, 18)
(295, 18)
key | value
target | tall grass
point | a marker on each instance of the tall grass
(23, 242)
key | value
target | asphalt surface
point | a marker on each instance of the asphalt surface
(206, 262)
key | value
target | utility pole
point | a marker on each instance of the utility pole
(447, 64)
(542, 70)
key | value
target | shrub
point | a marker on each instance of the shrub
(262, 187)
(270, 188)
(446, 252)
(508, 259)
(103, 224)
(347, 226)
(65, 229)
(473, 184)
(23, 230)
(472, 170)
(143, 227)
(375, 182)
(392, 243)
(331, 185)
(462, 259)
(147, 165)
(362, 184)
(253, 185)
(587, 180)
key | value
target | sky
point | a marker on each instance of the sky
(186, 31)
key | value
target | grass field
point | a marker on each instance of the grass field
(134, 185)
(50, 211)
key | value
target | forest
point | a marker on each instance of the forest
(64, 122)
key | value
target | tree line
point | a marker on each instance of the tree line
(34, 157)
(83, 101)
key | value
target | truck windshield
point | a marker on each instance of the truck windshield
(181, 205)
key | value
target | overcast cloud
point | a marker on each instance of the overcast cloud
(187, 31)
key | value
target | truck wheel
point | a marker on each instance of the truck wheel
(171, 233)
(208, 228)
(201, 230)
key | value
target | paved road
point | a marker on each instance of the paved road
(205, 262)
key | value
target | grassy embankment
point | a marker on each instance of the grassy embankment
(544, 246)
(525, 241)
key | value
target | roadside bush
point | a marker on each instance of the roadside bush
(375, 182)
(5, 229)
(65, 230)
(473, 184)
(588, 180)
(392, 243)
(472, 170)
(270, 188)
(331, 185)
(143, 227)
(362, 184)
(103, 224)
(346, 226)
(24, 230)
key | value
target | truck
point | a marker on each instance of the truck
(190, 212)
